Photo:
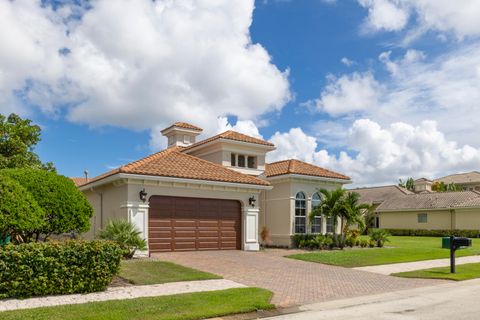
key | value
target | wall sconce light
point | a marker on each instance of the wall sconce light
(143, 195)
(251, 201)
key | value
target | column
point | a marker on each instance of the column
(250, 227)
(137, 213)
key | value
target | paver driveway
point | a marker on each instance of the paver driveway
(293, 282)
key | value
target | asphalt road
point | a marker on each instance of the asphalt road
(452, 300)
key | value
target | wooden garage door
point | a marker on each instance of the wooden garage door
(182, 224)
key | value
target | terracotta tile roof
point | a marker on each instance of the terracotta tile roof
(231, 135)
(173, 163)
(79, 181)
(373, 195)
(294, 166)
(436, 200)
(461, 178)
(185, 126)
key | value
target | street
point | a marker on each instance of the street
(452, 300)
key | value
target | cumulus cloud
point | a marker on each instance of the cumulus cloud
(347, 62)
(444, 16)
(381, 155)
(349, 93)
(138, 64)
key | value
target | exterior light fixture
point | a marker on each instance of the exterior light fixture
(143, 195)
(251, 201)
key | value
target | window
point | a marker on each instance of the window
(330, 225)
(300, 213)
(422, 218)
(317, 220)
(186, 139)
(233, 159)
(241, 161)
(252, 162)
(170, 140)
(377, 222)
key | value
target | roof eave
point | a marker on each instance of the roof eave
(309, 177)
(119, 176)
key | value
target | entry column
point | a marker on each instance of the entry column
(250, 234)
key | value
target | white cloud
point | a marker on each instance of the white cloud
(349, 93)
(385, 15)
(460, 18)
(247, 127)
(381, 155)
(347, 62)
(139, 64)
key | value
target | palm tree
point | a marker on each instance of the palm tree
(331, 207)
(353, 212)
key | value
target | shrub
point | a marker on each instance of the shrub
(364, 243)
(50, 268)
(379, 236)
(297, 238)
(20, 215)
(66, 208)
(435, 233)
(371, 243)
(125, 235)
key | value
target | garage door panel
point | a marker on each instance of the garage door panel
(182, 224)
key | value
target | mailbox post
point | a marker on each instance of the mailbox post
(454, 243)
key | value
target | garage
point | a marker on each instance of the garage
(187, 224)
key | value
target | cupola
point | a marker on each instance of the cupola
(181, 134)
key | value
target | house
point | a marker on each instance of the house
(398, 208)
(212, 194)
(465, 181)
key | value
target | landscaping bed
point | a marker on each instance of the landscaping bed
(401, 249)
(146, 271)
(189, 306)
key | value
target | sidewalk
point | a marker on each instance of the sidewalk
(388, 269)
(121, 293)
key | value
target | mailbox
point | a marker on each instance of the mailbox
(462, 242)
(446, 242)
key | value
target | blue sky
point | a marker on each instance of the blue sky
(400, 104)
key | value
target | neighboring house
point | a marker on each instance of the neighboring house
(466, 181)
(398, 208)
(213, 194)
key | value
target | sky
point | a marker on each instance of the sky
(375, 89)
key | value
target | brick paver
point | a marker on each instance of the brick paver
(293, 282)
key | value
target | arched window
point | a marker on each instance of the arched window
(300, 213)
(317, 220)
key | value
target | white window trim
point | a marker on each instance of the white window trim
(300, 216)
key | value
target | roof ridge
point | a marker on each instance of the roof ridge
(147, 158)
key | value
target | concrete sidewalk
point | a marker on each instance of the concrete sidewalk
(120, 293)
(388, 269)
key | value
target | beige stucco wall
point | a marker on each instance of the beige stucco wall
(467, 219)
(112, 196)
(278, 206)
(436, 219)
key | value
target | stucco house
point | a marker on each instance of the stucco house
(466, 181)
(213, 194)
(398, 208)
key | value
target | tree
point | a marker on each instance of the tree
(353, 212)
(66, 208)
(20, 215)
(442, 187)
(331, 207)
(18, 137)
(409, 184)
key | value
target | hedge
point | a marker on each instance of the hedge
(435, 233)
(299, 237)
(52, 268)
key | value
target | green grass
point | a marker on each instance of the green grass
(400, 249)
(198, 305)
(463, 272)
(142, 272)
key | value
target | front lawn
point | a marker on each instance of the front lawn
(142, 272)
(400, 249)
(463, 272)
(190, 306)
